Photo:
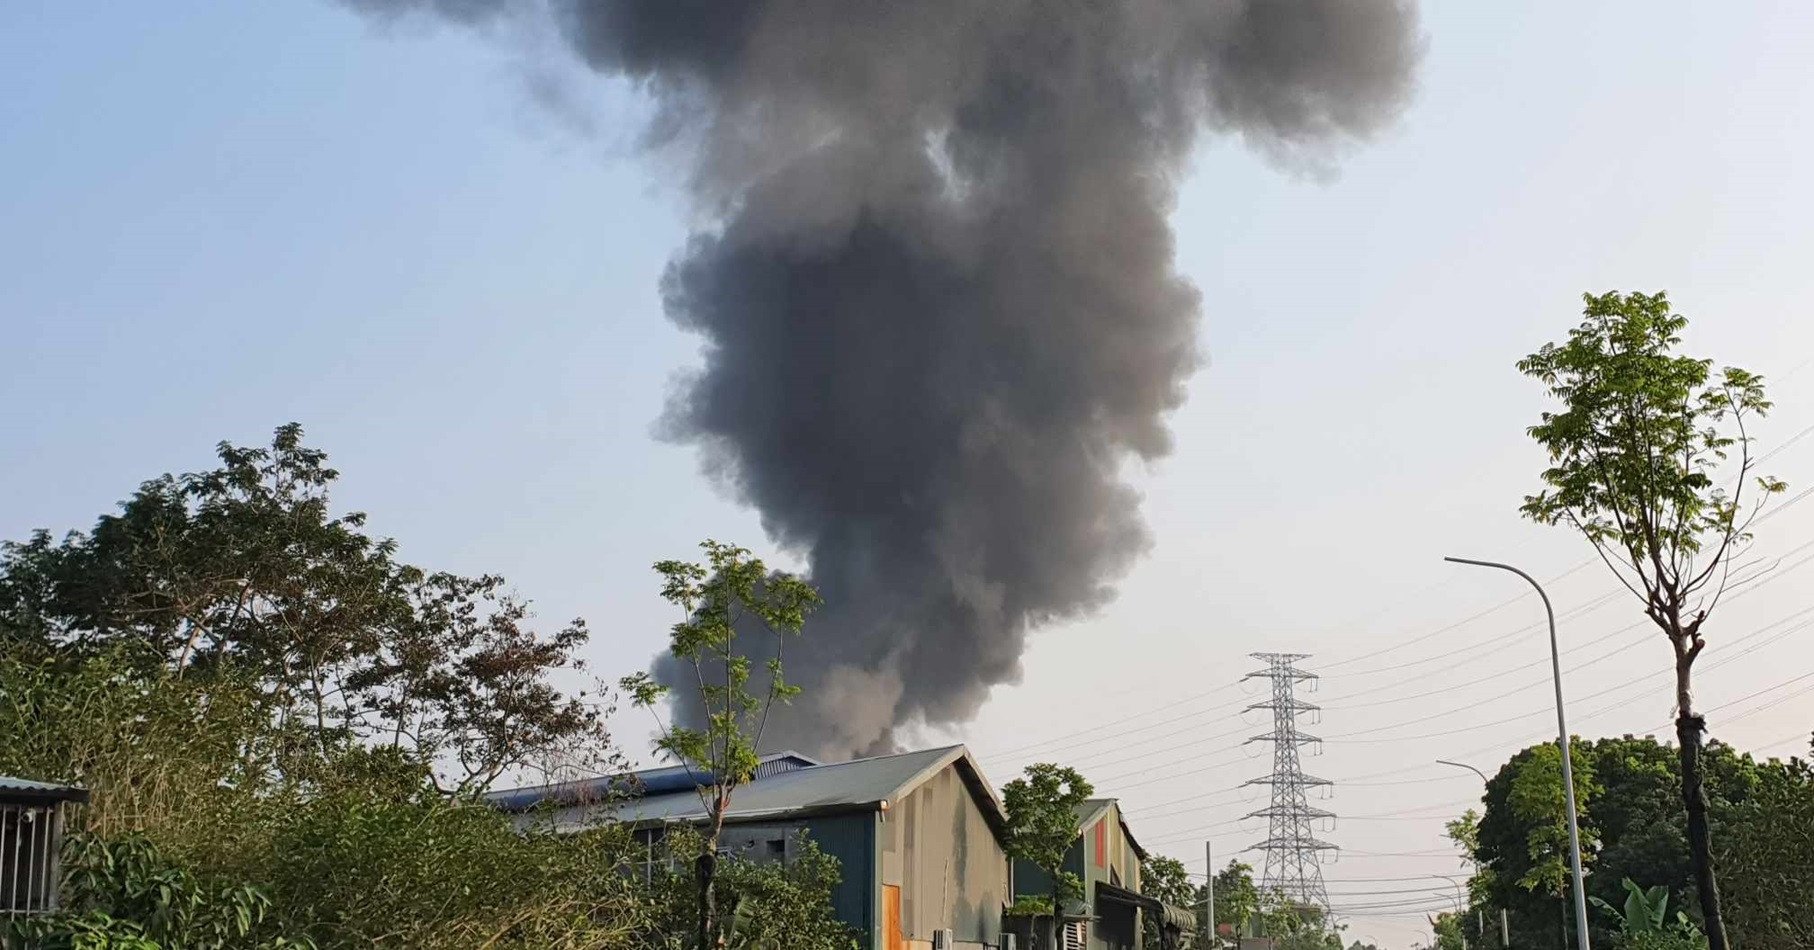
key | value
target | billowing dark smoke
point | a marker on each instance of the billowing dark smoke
(937, 290)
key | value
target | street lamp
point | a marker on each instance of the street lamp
(1461, 901)
(1505, 930)
(1461, 906)
(1464, 765)
(1563, 743)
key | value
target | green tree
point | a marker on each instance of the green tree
(127, 895)
(771, 905)
(730, 590)
(1767, 853)
(1166, 880)
(1042, 810)
(1237, 897)
(243, 575)
(285, 729)
(1522, 840)
(1296, 926)
(1537, 800)
(381, 859)
(1637, 829)
(1642, 464)
(1448, 931)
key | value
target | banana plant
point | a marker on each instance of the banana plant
(1644, 922)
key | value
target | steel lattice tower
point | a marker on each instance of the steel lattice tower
(1293, 852)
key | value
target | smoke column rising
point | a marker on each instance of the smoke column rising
(937, 288)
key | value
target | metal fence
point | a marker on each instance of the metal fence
(29, 840)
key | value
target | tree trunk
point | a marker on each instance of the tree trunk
(705, 871)
(1057, 913)
(1688, 730)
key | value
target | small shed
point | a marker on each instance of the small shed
(31, 836)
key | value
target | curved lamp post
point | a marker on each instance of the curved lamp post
(1463, 765)
(1563, 743)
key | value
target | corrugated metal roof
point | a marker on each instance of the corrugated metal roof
(1092, 809)
(1089, 811)
(656, 781)
(856, 784)
(51, 791)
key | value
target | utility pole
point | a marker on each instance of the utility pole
(1209, 893)
(1293, 852)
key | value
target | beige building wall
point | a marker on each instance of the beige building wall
(938, 849)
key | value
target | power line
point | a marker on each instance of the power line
(1169, 775)
(1576, 611)
(1579, 610)
(1442, 630)
(1603, 657)
(1407, 816)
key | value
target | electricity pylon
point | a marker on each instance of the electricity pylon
(1293, 852)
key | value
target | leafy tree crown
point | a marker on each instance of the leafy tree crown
(1650, 457)
(1042, 815)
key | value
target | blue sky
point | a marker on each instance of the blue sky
(223, 217)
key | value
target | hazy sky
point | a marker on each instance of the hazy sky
(220, 218)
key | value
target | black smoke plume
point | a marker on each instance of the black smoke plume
(937, 288)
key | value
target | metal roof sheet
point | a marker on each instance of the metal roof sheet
(42, 791)
(1092, 809)
(861, 783)
(648, 782)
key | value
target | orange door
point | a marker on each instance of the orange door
(891, 917)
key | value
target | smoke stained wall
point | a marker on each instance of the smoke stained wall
(937, 291)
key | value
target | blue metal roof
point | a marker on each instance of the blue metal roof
(17, 788)
(657, 781)
(839, 786)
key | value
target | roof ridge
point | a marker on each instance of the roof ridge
(890, 755)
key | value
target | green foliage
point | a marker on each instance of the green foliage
(164, 755)
(1639, 442)
(1644, 922)
(1449, 932)
(1651, 460)
(1766, 858)
(1295, 926)
(730, 590)
(1042, 821)
(1764, 811)
(1646, 909)
(1030, 905)
(765, 905)
(1166, 880)
(1537, 800)
(242, 579)
(359, 869)
(284, 730)
(1465, 832)
(1237, 897)
(126, 895)
(184, 841)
